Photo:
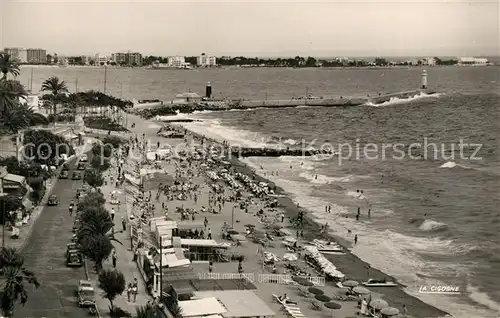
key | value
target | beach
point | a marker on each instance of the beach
(349, 264)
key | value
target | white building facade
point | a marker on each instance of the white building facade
(20, 54)
(206, 61)
(472, 61)
(176, 61)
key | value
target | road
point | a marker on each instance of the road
(44, 254)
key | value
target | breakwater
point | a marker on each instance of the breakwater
(275, 152)
(329, 102)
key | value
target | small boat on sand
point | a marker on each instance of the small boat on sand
(326, 247)
(379, 283)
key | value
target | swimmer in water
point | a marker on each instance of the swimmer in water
(316, 177)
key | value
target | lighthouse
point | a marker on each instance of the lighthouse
(424, 80)
(208, 90)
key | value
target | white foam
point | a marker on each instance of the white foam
(357, 195)
(322, 179)
(396, 100)
(482, 298)
(449, 164)
(430, 225)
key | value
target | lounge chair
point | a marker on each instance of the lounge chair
(315, 305)
(277, 299)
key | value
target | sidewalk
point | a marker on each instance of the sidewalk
(25, 229)
(125, 263)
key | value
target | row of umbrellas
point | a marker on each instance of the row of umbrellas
(319, 294)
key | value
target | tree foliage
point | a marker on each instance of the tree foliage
(112, 282)
(97, 248)
(8, 65)
(94, 178)
(44, 146)
(14, 276)
(57, 89)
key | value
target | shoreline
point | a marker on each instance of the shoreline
(351, 265)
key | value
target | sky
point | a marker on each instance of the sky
(255, 28)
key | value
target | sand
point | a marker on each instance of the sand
(349, 264)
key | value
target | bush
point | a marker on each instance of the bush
(103, 123)
(105, 151)
(117, 312)
(114, 141)
(61, 118)
(94, 178)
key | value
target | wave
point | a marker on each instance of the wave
(397, 100)
(451, 164)
(322, 179)
(431, 225)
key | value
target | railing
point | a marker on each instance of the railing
(247, 276)
(263, 278)
(287, 279)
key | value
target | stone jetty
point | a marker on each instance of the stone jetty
(276, 152)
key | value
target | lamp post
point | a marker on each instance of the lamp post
(3, 173)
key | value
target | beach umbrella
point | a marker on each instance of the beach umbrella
(333, 306)
(378, 304)
(360, 290)
(323, 298)
(350, 283)
(302, 281)
(315, 291)
(389, 311)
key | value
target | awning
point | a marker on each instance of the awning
(14, 178)
(28, 205)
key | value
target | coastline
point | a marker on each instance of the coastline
(349, 264)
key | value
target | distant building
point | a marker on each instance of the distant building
(20, 54)
(205, 60)
(176, 61)
(131, 59)
(472, 61)
(36, 56)
(429, 61)
(134, 59)
(101, 60)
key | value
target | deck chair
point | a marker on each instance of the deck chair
(315, 305)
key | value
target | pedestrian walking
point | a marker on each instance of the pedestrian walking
(124, 224)
(134, 289)
(129, 291)
(114, 258)
(209, 234)
(112, 214)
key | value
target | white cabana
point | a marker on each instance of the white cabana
(201, 307)
(239, 303)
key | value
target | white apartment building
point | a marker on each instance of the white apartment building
(429, 61)
(176, 61)
(100, 60)
(472, 61)
(205, 60)
(21, 54)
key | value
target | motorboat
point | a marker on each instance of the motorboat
(327, 247)
(147, 103)
(379, 283)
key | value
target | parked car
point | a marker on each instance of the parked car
(76, 176)
(80, 192)
(74, 258)
(64, 174)
(65, 166)
(53, 200)
(86, 294)
(84, 158)
(81, 166)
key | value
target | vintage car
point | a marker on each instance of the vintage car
(84, 158)
(53, 200)
(74, 258)
(64, 174)
(86, 294)
(65, 166)
(81, 166)
(76, 176)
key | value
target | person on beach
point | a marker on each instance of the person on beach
(355, 239)
(135, 289)
(369, 212)
(209, 234)
(129, 291)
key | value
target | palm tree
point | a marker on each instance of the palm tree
(146, 311)
(14, 275)
(73, 102)
(96, 221)
(8, 66)
(56, 88)
(20, 117)
(10, 93)
(112, 282)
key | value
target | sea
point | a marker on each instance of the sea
(428, 167)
